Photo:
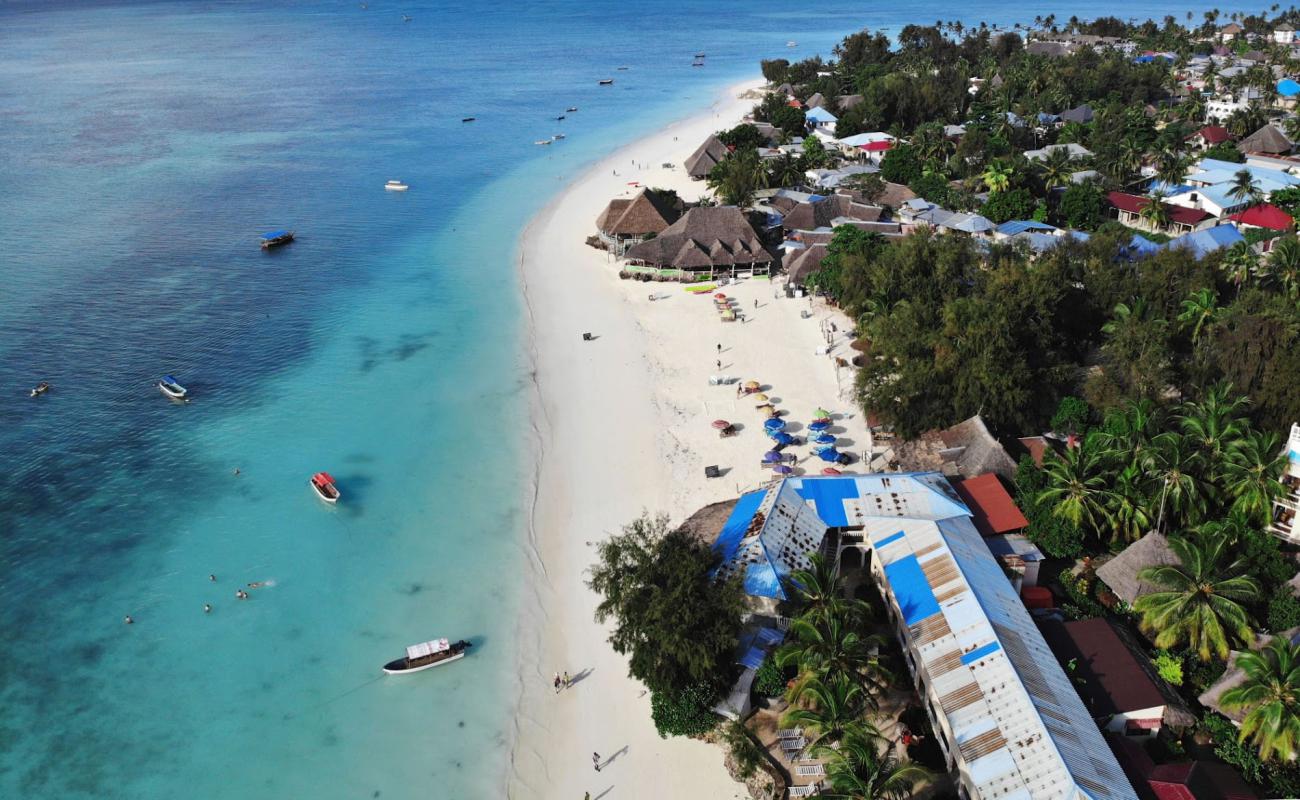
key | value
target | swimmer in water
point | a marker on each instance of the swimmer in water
(212, 578)
(128, 620)
(241, 594)
(207, 608)
(257, 584)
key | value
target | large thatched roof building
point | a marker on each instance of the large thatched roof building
(1267, 140)
(705, 158)
(1121, 572)
(711, 240)
(627, 221)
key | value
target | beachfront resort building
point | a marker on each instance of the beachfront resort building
(705, 158)
(706, 241)
(1287, 505)
(1007, 718)
(629, 221)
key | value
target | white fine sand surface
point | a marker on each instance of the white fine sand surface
(623, 426)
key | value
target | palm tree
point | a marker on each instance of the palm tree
(1283, 265)
(1272, 693)
(1250, 475)
(1238, 264)
(1245, 187)
(1173, 468)
(857, 771)
(997, 176)
(1127, 431)
(1200, 309)
(1201, 603)
(1055, 170)
(1077, 486)
(819, 592)
(1172, 166)
(1128, 506)
(785, 171)
(831, 706)
(830, 646)
(1155, 213)
(1214, 422)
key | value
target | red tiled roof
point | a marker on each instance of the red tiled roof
(1265, 215)
(1134, 204)
(992, 509)
(1214, 134)
(878, 147)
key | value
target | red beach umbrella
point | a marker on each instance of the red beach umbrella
(720, 424)
(831, 471)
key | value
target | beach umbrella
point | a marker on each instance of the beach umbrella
(774, 424)
(829, 456)
(751, 385)
(825, 438)
(782, 469)
(821, 413)
(818, 427)
(720, 296)
(771, 457)
(822, 448)
(781, 437)
(768, 411)
(762, 398)
(831, 471)
(719, 424)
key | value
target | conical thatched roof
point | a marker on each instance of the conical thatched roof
(1267, 139)
(642, 215)
(704, 237)
(799, 264)
(706, 157)
(1121, 572)
(815, 101)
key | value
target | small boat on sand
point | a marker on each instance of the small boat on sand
(172, 388)
(424, 655)
(395, 186)
(570, 109)
(606, 81)
(322, 483)
(276, 238)
(40, 389)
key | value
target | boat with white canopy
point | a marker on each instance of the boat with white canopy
(424, 655)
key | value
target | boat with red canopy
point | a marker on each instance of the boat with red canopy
(323, 484)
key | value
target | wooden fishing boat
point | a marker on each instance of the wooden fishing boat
(468, 119)
(276, 238)
(172, 388)
(395, 186)
(606, 82)
(570, 109)
(425, 655)
(322, 483)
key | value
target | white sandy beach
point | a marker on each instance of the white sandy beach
(622, 426)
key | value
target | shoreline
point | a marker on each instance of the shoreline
(616, 430)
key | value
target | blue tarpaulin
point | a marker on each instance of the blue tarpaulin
(828, 496)
(275, 234)
(1288, 88)
(915, 597)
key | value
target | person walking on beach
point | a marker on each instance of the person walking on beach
(719, 348)
(567, 680)
(595, 761)
(557, 683)
(719, 365)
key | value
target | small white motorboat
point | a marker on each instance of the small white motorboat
(40, 389)
(542, 141)
(396, 186)
(172, 388)
(424, 655)
(322, 483)
(791, 43)
(557, 137)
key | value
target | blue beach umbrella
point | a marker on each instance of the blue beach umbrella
(825, 438)
(771, 457)
(774, 424)
(782, 469)
(781, 437)
(829, 456)
(818, 427)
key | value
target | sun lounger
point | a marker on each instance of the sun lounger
(793, 745)
(810, 771)
(788, 733)
(805, 791)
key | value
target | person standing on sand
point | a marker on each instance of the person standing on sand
(567, 680)
(595, 761)
(556, 683)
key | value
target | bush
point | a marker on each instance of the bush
(686, 712)
(1230, 749)
(1225, 152)
(1079, 592)
(1058, 538)
(1283, 612)
(744, 750)
(1283, 779)
(770, 679)
(1200, 674)
(901, 165)
(1071, 415)
(1170, 667)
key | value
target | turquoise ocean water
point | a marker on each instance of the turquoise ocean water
(145, 146)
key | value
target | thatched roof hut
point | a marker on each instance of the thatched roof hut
(706, 157)
(711, 239)
(966, 449)
(819, 213)
(1267, 140)
(640, 216)
(1121, 572)
(799, 264)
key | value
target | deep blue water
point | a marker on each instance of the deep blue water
(145, 146)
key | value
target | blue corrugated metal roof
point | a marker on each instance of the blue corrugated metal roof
(980, 652)
(828, 496)
(736, 525)
(890, 539)
(1023, 225)
(915, 597)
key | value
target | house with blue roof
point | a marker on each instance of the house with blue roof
(1016, 226)
(1204, 242)
(819, 119)
(1005, 715)
(1217, 199)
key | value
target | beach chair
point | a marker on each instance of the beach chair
(805, 791)
(793, 745)
(810, 771)
(788, 733)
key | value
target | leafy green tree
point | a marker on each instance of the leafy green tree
(1174, 470)
(1202, 600)
(1214, 421)
(785, 171)
(742, 137)
(683, 712)
(856, 770)
(736, 177)
(1271, 693)
(901, 164)
(679, 626)
(1225, 151)
(1009, 205)
(832, 646)
(1082, 206)
(1155, 213)
(818, 593)
(814, 155)
(1071, 415)
(998, 176)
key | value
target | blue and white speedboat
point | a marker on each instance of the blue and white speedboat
(172, 388)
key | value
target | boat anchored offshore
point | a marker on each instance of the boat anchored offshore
(40, 389)
(606, 81)
(322, 483)
(395, 186)
(424, 655)
(276, 238)
(172, 388)
(570, 109)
